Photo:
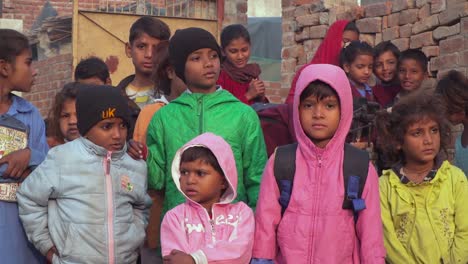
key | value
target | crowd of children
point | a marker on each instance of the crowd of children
(180, 134)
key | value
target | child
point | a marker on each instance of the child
(99, 212)
(145, 35)
(453, 88)
(92, 70)
(357, 61)
(314, 228)
(23, 143)
(204, 171)
(205, 107)
(423, 198)
(412, 71)
(238, 76)
(62, 117)
(339, 33)
(386, 56)
(168, 87)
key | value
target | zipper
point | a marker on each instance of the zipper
(110, 208)
(200, 116)
(315, 209)
(212, 224)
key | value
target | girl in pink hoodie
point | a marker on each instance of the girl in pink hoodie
(314, 228)
(207, 228)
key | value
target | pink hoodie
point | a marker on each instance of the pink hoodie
(315, 228)
(225, 238)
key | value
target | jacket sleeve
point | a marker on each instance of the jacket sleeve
(141, 207)
(33, 197)
(156, 159)
(369, 224)
(396, 253)
(459, 249)
(253, 158)
(173, 234)
(238, 249)
(267, 215)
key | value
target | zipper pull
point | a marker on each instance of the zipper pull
(108, 162)
(199, 106)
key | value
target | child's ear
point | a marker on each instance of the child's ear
(346, 67)
(108, 81)
(5, 68)
(128, 49)
(170, 73)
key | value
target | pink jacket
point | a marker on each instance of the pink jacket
(315, 228)
(225, 238)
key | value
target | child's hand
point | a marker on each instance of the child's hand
(18, 162)
(50, 254)
(256, 89)
(178, 257)
(137, 150)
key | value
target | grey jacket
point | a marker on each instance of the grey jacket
(90, 203)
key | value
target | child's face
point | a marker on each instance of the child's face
(238, 52)
(141, 52)
(202, 70)
(68, 121)
(386, 66)
(349, 36)
(201, 182)
(359, 71)
(109, 133)
(21, 74)
(421, 142)
(320, 118)
(411, 75)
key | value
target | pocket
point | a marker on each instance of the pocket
(83, 240)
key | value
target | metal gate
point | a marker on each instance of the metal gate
(101, 27)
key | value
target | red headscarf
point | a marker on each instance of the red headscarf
(328, 52)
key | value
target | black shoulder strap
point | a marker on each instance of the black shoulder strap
(284, 169)
(356, 163)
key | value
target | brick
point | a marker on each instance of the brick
(451, 14)
(391, 33)
(317, 6)
(370, 25)
(450, 45)
(378, 38)
(421, 40)
(384, 22)
(464, 25)
(302, 35)
(438, 6)
(291, 52)
(464, 58)
(424, 11)
(443, 32)
(302, 10)
(311, 46)
(288, 65)
(402, 43)
(324, 18)
(431, 51)
(288, 13)
(393, 20)
(242, 7)
(369, 38)
(378, 10)
(420, 3)
(289, 26)
(426, 24)
(318, 31)
(448, 61)
(288, 39)
(399, 5)
(308, 20)
(286, 79)
(408, 16)
(405, 31)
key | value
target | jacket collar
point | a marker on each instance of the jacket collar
(100, 151)
(19, 105)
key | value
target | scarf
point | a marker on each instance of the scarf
(242, 75)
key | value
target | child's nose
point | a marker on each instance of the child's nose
(73, 119)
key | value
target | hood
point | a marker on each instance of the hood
(336, 78)
(223, 153)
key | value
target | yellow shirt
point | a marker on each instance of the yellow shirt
(427, 222)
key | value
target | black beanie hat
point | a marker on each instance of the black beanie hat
(186, 41)
(98, 102)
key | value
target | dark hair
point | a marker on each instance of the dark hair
(68, 92)
(414, 54)
(392, 126)
(92, 67)
(453, 88)
(161, 63)
(355, 48)
(152, 26)
(205, 154)
(319, 89)
(12, 43)
(351, 26)
(385, 46)
(233, 32)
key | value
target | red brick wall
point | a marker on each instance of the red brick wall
(52, 75)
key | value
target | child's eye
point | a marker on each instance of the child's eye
(183, 172)
(106, 126)
(331, 106)
(435, 131)
(214, 55)
(195, 58)
(64, 115)
(123, 125)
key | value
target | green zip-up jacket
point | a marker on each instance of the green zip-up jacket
(192, 114)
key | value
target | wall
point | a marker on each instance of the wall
(264, 8)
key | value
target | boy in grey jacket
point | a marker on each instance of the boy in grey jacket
(87, 202)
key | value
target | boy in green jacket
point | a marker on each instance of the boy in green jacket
(204, 107)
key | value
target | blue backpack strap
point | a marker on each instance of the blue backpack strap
(355, 170)
(284, 169)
